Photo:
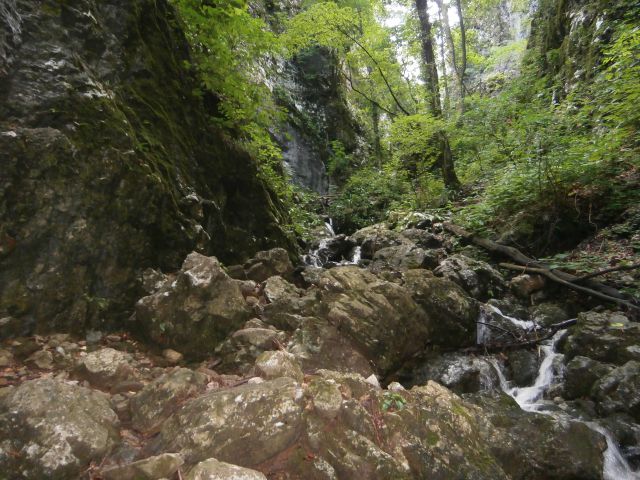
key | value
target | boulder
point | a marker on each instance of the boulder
(246, 425)
(607, 337)
(317, 344)
(422, 238)
(524, 285)
(53, 429)
(376, 237)
(478, 278)
(151, 468)
(451, 312)
(196, 310)
(523, 366)
(533, 446)
(106, 367)
(459, 373)
(162, 397)
(277, 288)
(240, 350)
(379, 317)
(268, 263)
(213, 469)
(619, 391)
(270, 365)
(404, 257)
(548, 313)
(580, 374)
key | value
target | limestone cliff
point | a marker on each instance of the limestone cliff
(108, 164)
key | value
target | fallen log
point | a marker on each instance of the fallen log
(525, 261)
(552, 275)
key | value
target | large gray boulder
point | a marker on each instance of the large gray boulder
(162, 397)
(452, 313)
(619, 391)
(52, 429)
(245, 425)
(607, 337)
(194, 311)
(380, 318)
(213, 469)
(268, 263)
(478, 278)
(532, 446)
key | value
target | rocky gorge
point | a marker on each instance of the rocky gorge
(161, 319)
(366, 369)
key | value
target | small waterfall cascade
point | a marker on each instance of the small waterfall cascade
(320, 255)
(531, 399)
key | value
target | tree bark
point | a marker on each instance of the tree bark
(430, 70)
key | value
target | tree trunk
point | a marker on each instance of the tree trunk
(463, 55)
(443, 66)
(430, 70)
(445, 157)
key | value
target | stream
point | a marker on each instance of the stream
(531, 399)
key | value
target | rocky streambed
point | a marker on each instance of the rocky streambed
(363, 363)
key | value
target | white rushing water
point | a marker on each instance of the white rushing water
(319, 256)
(531, 399)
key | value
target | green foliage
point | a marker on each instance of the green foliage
(393, 401)
(369, 195)
(569, 164)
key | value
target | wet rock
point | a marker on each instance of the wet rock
(523, 366)
(160, 398)
(533, 446)
(105, 367)
(580, 375)
(197, 310)
(247, 424)
(524, 285)
(240, 351)
(548, 313)
(152, 468)
(317, 344)
(459, 373)
(619, 391)
(269, 263)
(379, 317)
(52, 429)
(478, 278)
(213, 469)
(607, 337)
(333, 249)
(452, 313)
(270, 365)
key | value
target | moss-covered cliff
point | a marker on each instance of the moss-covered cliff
(108, 163)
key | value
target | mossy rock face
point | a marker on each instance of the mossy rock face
(536, 446)
(109, 163)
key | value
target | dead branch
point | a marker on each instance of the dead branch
(520, 258)
(553, 276)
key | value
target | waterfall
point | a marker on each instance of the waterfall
(530, 399)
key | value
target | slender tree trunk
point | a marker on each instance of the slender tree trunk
(463, 55)
(430, 69)
(445, 159)
(460, 67)
(443, 67)
(377, 147)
